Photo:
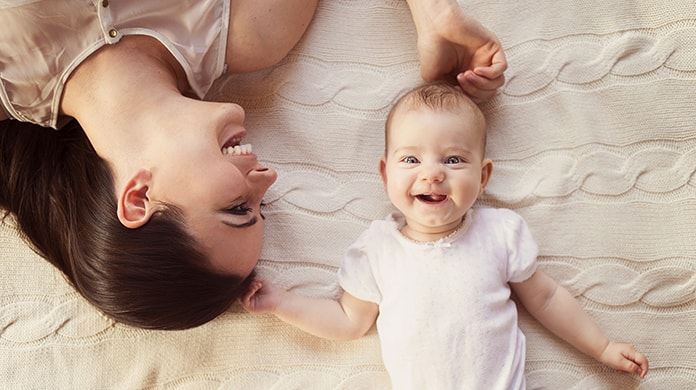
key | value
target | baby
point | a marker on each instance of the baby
(437, 276)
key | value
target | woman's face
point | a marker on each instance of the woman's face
(212, 176)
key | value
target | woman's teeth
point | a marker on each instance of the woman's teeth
(237, 150)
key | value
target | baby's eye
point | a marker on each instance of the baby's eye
(453, 160)
(410, 160)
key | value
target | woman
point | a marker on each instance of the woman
(149, 204)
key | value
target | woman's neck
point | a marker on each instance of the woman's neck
(117, 94)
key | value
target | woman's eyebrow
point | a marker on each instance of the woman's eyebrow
(247, 224)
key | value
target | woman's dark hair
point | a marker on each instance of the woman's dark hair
(61, 194)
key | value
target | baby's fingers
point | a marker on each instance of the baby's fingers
(246, 299)
(631, 368)
(625, 358)
(641, 363)
(633, 362)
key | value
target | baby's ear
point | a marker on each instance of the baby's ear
(134, 207)
(486, 171)
(383, 169)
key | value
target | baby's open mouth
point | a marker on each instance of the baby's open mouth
(234, 148)
(432, 198)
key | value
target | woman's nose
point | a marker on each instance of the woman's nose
(262, 177)
(225, 114)
(234, 113)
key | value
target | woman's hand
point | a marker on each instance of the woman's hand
(453, 45)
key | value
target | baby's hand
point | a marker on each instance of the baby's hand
(624, 357)
(262, 297)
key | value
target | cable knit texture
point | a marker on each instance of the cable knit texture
(593, 139)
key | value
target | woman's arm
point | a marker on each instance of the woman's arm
(453, 44)
(346, 319)
(262, 32)
(555, 308)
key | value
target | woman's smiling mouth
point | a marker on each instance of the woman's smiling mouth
(237, 150)
(233, 147)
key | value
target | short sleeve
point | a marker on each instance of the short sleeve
(521, 247)
(356, 274)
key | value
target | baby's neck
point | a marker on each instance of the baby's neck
(418, 233)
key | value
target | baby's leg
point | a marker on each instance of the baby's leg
(262, 32)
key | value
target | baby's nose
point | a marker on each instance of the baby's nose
(432, 172)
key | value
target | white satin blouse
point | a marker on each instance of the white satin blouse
(43, 41)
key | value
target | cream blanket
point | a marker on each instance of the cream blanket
(593, 141)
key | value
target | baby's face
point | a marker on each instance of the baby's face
(434, 168)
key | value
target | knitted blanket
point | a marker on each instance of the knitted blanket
(593, 139)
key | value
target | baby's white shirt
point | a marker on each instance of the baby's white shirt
(446, 319)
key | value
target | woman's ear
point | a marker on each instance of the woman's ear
(134, 207)
(486, 170)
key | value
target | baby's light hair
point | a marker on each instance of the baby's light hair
(436, 96)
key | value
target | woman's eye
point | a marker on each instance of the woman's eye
(410, 160)
(453, 160)
(241, 209)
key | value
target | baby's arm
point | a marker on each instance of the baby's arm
(555, 308)
(346, 319)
